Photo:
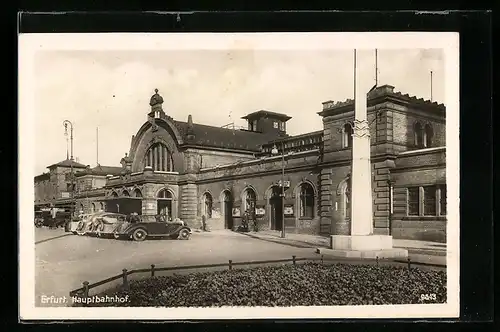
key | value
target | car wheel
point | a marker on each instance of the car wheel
(139, 234)
(184, 234)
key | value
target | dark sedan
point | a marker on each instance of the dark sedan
(141, 230)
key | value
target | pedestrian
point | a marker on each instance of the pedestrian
(203, 223)
(255, 225)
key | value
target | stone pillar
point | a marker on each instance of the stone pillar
(362, 243)
(325, 223)
(189, 203)
(361, 183)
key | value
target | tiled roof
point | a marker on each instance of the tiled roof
(218, 137)
(67, 163)
(43, 176)
(101, 170)
(280, 116)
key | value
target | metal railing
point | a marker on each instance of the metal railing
(84, 290)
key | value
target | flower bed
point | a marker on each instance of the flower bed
(288, 285)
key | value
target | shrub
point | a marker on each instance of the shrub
(301, 285)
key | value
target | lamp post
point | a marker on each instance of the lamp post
(275, 151)
(67, 123)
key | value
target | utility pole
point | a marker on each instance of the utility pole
(431, 85)
(67, 123)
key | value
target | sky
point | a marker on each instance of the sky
(111, 90)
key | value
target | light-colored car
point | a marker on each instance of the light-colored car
(106, 224)
(85, 223)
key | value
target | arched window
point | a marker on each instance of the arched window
(82, 208)
(306, 201)
(165, 193)
(125, 193)
(114, 194)
(159, 158)
(93, 208)
(103, 208)
(347, 136)
(347, 199)
(164, 203)
(137, 192)
(207, 205)
(419, 135)
(428, 133)
(249, 200)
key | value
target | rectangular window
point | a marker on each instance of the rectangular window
(275, 125)
(254, 125)
(413, 201)
(429, 201)
(442, 200)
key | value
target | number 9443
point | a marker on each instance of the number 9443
(428, 297)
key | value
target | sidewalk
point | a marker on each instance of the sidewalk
(423, 252)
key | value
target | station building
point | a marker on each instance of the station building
(194, 171)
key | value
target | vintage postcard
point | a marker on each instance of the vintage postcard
(235, 176)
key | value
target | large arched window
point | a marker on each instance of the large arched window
(428, 133)
(207, 203)
(306, 201)
(159, 158)
(165, 203)
(418, 132)
(347, 136)
(249, 200)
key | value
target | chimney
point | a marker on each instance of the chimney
(190, 129)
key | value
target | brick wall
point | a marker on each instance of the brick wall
(261, 183)
(202, 158)
(404, 133)
(417, 170)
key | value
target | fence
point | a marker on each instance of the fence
(84, 291)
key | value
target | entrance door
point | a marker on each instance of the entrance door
(165, 207)
(276, 209)
(228, 211)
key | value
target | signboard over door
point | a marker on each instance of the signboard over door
(236, 212)
(289, 210)
(260, 211)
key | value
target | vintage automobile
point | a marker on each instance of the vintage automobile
(139, 231)
(45, 218)
(84, 224)
(105, 224)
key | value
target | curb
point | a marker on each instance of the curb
(312, 246)
(53, 238)
(291, 243)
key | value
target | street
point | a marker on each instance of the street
(64, 261)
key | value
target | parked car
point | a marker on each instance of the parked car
(44, 218)
(105, 224)
(139, 231)
(84, 223)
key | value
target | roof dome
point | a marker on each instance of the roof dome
(156, 99)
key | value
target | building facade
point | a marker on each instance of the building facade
(193, 171)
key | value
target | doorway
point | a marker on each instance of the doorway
(227, 208)
(275, 202)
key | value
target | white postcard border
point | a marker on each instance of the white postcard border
(30, 44)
